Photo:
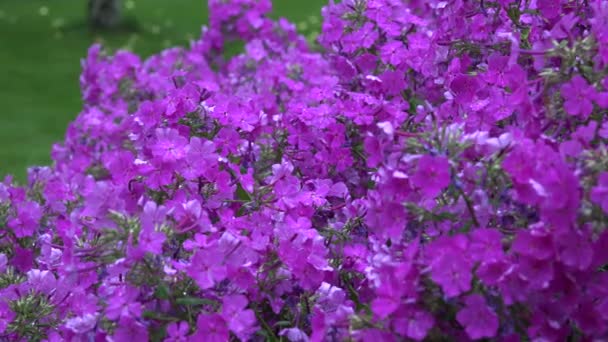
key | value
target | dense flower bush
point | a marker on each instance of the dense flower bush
(429, 170)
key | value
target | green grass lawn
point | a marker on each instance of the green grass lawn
(42, 43)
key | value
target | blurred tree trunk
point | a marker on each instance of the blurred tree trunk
(104, 13)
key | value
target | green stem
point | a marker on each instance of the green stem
(266, 327)
(469, 206)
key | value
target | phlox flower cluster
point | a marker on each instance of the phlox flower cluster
(426, 170)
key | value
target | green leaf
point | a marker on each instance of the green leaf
(283, 324)
(194, 301)
(162, 292)
(242, 194)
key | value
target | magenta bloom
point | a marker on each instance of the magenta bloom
(578, 95)
(82, 324)
(28, 217)
(207, 268)
(211, 328)
(130, 330)
(239, 319)
(451, 265)
(432, 175)
(170, 146)
(6, 316)
(575, 250)
(486, 245)
(177, 332)
(393, 52)
(464, 88)
(413, 323)
(453, 273)
(479, 320)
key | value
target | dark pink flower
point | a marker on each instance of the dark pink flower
(578, 94)
(413, 322)
(6, 316)
(27, 219)
(432, 175)
(479, 320)
(177, 332)
(207, 268)
(239, 319)
(212, 328)
(130, 330)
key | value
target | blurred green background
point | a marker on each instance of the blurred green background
(42, 43)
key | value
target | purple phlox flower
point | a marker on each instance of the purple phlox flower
(479, 320)
(3, 262)
(413, 322)
(207, 267)
(574, 249)
(450, 265)
(123, 303)
(290, 194)
(177, 332)
(41, 281)
(23, 259)
(199, 241)
(601, 98)
(585, 134)
(550, 9)
(599, 193)
(393, 52)
(520, 165)
(500, 106)
(148, 241)
(27, 219)
(129, 330)
(373, 149)
(153, 215)
(100, 197)
(333, 301)
(191, 216)
(332, 29)
(589, 319)
(536, 242)
(6, 316)
(490, 272)
(240, 320)
(182, 101)
(432, 175)
(560, 192)
(169, 146)
(304, 252)
(82, 324)
(389, 291)
(121, 166)
(393, 82)
(536, 273)
(578, 94)
(603, 131)
(565, 25)
(294, 335)
(364, 37)
(148, 114)
(256, 50)
(486, 245)
(464, 88)
(497, 70)
(212, 328)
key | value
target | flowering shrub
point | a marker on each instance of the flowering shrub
(430, 170)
